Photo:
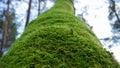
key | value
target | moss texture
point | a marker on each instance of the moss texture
(58, 39)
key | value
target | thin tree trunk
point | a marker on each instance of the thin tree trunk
(5, 27)
(41, 7)
(39, 1)
(28, 14)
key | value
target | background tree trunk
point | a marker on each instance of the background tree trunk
(5, 27)
(28, 13)
(39, 1)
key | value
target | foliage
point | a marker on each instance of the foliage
(58, 39)
(113, 15)
(115, 24)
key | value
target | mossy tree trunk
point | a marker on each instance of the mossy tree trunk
(58, 39)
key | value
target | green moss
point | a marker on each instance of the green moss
(58, 39)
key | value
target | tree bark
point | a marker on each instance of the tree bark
(5, 27)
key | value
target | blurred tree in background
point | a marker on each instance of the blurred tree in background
(114, 18)
(10, 21)
(8, 29)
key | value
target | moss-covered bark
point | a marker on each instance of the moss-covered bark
(58, 39)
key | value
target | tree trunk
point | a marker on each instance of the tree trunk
(39, 1)
(39, 6)
(28, 13)
(5, 28)
(58, 39)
